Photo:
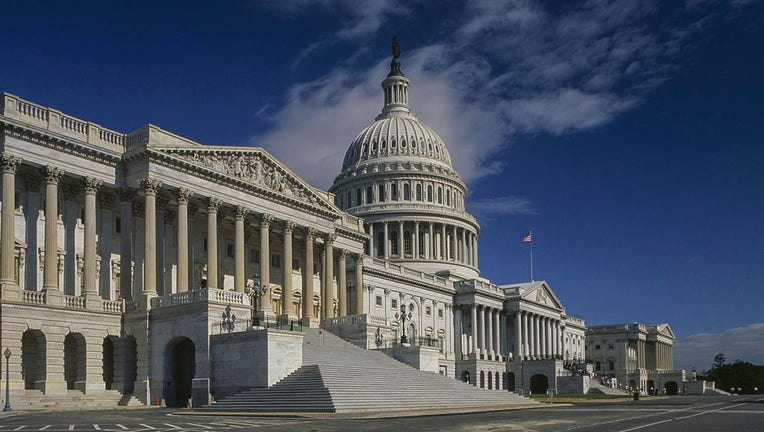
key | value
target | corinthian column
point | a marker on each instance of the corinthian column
(239, 278)
(150, 188)
(286, 288)
(342, 288)
(8, 229)
(183, 196)
(327, 297)
(359, 285)
(265, 261)
(213, 204)
(91, 186)
(50, 277)
(307, 280)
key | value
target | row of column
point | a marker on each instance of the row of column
(440, 241)
(664, 356)
(540, 336)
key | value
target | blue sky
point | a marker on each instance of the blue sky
(627, 134)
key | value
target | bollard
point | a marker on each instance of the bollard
(636, 395)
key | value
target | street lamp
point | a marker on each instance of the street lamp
(255, 291)
(402, 317)
(7, 406)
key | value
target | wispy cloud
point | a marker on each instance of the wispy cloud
(507, 68)
(502, 206)
(698, 350)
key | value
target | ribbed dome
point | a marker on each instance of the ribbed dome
(397, 135)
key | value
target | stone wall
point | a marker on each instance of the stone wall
(423, 358)
(576, 384)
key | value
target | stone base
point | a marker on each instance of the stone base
(310, 322)
(200, 392)
(89, 387)
(50, 387)
(10, 291)
(93, 301)
(53, 296)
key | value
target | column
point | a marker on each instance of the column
(526, 330)
(542, 337)
(265, 262)
(91, 186)
(474, 325)
(482, 318)
(371, 240)
(8, 229)
(239, 277)
(342, 288)
(497, 332)
(184, 195)
(490, 347)
(548, 322)
(443, 248)
(475, 248)
(518, 335)
(536, 335)
(401, 242)
(307, 279)
(50, 276)
(428, 245)
(458, 331)
(359, 284)
(213, 204)
(386, 241)
(463, 246)
(150, 189)
(327, 299)
(415, 243)
(287, 298)
(126, 243)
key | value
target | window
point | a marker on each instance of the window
(295, 264)
(378, 300)
(394, 303)
(204, 243)
(407, 242)
(429, 193)
(419, 192)
(407, 192)
(381, 193)
(440, 195)
(597, 366)
(229, 250)
(276, 260)
(394, 192)
(596, 347)
(610, 346)
(393, 242)
(448, 197)
(358, 200)
(440, 313)
(253, 255)
(117, 224)
(428, 310)
(421, 244)
(611, 365)
(374, 146)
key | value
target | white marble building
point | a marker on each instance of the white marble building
(155, 236)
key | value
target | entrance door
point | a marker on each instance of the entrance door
(180, 361)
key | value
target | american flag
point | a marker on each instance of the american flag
(526, 239)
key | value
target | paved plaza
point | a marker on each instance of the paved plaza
(729, 413)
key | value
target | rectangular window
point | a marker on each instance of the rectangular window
(117, 224)
(440, 313)
(276, 260)
(379, 300)
(295, 264)
(428, 310)
(394, 303)
(204, 243)
(596, 347)
(253, 255)
(230, 250)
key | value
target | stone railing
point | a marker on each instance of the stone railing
(34, 297)
(415, 274)
(58, 122)
(113, 305)
(201, 295)
(74, 302)
(478, 285)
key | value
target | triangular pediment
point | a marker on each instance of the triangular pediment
(253, 166)
(542, 294)
(665, 330)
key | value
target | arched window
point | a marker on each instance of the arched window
(403, 143)
(384, 144)
(407, 242)
(369, 195)
(392, 144)
(381, 193)
(407, 192)
(358, 200)
(374, 146)
(440, 195)
(448, 197)
(419, 192)
(429, 193)
(394, 192)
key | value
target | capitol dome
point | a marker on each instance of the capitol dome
(397, 175)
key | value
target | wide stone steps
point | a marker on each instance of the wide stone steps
(338, 376)
(31, 400)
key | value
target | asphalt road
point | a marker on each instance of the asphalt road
(681, 413)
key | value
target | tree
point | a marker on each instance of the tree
(718, 361)
(748, 377)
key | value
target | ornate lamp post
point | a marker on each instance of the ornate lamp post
(7, 406)
(255, 291)
(402, 317)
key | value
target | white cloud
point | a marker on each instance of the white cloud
(512, 67)
(698, 350)
(502, 206)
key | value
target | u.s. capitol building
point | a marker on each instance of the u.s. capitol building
(145, 266)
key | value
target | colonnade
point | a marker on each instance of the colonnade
(423, 240)
(540, 336)
(664, 356)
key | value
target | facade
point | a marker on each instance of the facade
(127, 259)
(638, 356)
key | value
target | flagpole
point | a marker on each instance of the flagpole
(531, 234)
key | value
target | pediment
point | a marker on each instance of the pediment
(254, 166)
(665, 330)
(542, 294)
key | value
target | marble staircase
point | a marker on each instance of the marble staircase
(35, 400)
(340, 377)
